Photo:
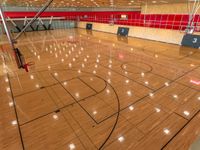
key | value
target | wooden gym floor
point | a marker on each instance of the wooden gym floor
(93, 90)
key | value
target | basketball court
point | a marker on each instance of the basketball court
(100, 74)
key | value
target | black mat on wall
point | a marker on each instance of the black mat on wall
(89, 26)
(123, 31)
(190, 40)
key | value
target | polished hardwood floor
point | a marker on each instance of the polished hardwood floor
(93, 90)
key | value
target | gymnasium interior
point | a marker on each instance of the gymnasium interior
(99, 75)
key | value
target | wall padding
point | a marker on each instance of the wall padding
(161, 35)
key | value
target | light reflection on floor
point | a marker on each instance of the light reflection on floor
(91, 91)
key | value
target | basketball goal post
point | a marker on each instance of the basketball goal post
(19, 57)
(193, 7)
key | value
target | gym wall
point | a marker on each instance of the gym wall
(162, 35)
